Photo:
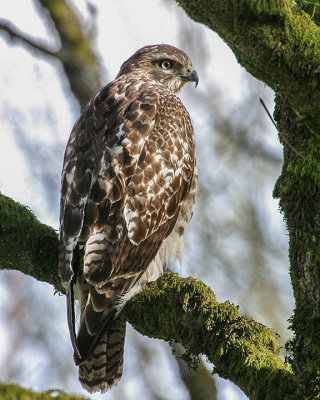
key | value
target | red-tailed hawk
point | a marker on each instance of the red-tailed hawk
(128, 189)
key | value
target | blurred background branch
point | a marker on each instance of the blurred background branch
(171, 308)
(25, 40)
(26, 245)
(10, 392)
(73, 43)
(235, 222)
(77, 54)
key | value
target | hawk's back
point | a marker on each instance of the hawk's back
(128, 187)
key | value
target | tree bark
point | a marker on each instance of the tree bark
(278, 43)
(172, 308)
(15, 392)
(26, 245)
(298, 191)
(79, 61)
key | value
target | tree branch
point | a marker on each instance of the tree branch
(10, 391)
(275, 41)
(19, 36)
(80, 63)
(172, 308)
(298, 189)
(26, 245)
(185, 310)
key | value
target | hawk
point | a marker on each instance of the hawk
(127, 193)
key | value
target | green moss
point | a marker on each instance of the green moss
(172, 308)
(312, 7)
(15, 392)
(186, 311)
(298, 188)
(27, 245)
(270, 7)
(275, 41)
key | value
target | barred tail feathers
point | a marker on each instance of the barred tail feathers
(103, 369)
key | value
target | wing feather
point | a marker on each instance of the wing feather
(127, 170)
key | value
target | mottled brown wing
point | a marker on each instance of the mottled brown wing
(154, 185)
(128, 167)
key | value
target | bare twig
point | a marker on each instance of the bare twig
(172, 308)
(19, 36)
(285, 139)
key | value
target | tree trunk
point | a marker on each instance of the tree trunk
(298, 190)
(279, 44)
(172, 308)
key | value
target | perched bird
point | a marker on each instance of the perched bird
(128, 188)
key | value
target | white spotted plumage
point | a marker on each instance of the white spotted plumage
(128, 189)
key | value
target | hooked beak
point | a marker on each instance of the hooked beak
(191, 76)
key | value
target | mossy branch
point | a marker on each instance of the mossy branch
(279, 43)
(26, 245)
(172, 308)
(275, 40)
(10, 392)
(185, 310)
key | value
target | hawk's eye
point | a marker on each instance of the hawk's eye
(166, 64)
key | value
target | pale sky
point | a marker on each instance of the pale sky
(123, 27)
(29, 86)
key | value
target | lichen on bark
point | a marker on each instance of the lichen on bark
(279, 43)
(172, 308)
(298, 189)
(27, 245)
(15, 392)
(185, 310)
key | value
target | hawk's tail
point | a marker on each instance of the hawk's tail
(103, 368)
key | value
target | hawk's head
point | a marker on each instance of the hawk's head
(162, 63)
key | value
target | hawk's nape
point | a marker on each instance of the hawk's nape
(128, 189)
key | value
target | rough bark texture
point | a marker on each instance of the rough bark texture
(280, 44)
(14, 392)
(26, 245)
(298, 190)
(184, 310)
